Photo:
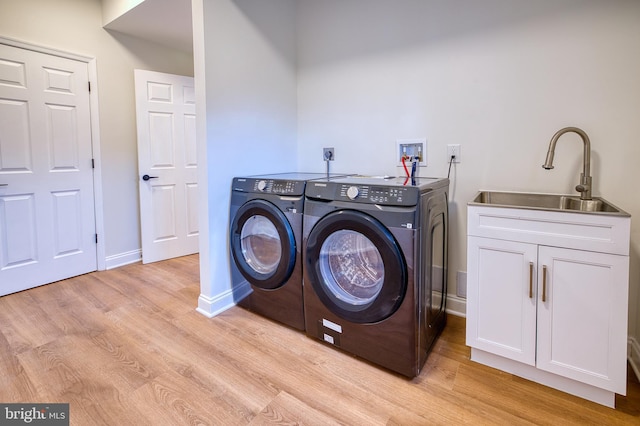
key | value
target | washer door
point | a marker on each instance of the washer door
(262, 244)
(356, 267)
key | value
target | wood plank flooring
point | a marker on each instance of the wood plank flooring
(126, 347)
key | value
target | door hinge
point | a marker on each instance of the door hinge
(89, 84)
(93, 163)
(96, 238)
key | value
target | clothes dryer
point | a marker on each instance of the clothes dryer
(266, 242)
(375, 267)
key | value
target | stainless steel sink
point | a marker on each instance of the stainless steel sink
(555, 202)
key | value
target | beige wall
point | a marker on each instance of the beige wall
(76, 26)
(112, 9)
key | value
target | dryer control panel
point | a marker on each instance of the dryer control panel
(269, 186)
(368, 194)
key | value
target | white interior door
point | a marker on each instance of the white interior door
(167, 165)
(47, 218)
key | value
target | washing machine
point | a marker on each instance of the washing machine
(266, 242)
(375, 267)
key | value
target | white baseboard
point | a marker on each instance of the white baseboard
(212, 306)
(634, 356)
(122, 259)
(456, 306)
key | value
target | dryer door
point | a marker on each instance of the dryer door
(356, 267)
(263, 244)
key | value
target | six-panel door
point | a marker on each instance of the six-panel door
(166, 122)
(47, 221)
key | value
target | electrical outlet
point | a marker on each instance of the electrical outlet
(411, 148)
(453, 150)
(328, 154)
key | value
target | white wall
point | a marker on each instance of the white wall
(498, 77)
(247, 61)
(76, 26)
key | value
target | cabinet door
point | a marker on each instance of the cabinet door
(582, 323)
(501, 298)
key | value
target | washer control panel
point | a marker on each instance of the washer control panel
(369, 194)
(269, 186)
(377, 190)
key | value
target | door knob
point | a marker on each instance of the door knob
(147, 177)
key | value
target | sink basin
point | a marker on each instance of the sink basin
(555, 202)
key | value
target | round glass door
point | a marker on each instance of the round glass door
(355, 266)
(352, 267)
(263, 244)
(260, 244)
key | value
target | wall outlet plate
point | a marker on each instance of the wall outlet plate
(453, 149)
(411, 148)
(328, 154)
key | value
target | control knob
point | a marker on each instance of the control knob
(352, 192)
(262, 185)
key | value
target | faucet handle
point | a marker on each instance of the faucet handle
(582, 188)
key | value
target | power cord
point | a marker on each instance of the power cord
(328, 156)
(453, 157)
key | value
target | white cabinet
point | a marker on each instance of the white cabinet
(501, 317)
(582, 316)
(549, 313)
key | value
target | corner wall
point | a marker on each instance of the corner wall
(246, 83)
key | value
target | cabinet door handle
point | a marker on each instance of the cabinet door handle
(544, 283)
(530, 280)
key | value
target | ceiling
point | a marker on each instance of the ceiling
(166, 22)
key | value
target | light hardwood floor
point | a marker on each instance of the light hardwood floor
(126, 347)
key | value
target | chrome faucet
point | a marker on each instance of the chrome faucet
(584, 187)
